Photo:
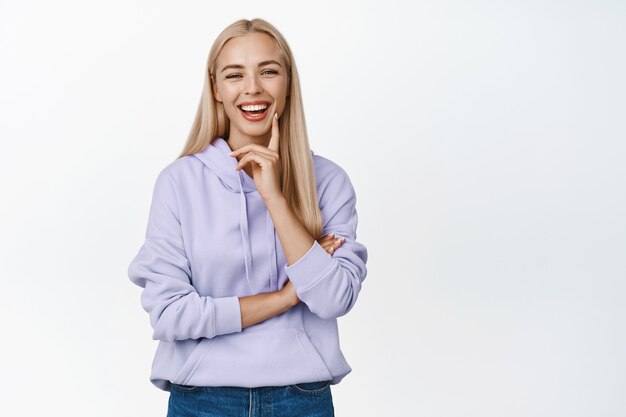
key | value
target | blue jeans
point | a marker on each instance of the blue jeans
(310, 399)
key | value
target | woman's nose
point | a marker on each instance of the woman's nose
(253, 85)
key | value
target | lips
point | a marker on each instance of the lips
(254, 116)
(250, 103)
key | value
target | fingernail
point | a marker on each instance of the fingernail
(276, 115)
(332, 234)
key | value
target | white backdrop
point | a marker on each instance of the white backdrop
(486, 143)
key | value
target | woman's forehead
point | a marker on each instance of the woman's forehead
(249, 50)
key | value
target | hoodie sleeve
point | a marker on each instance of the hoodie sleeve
(330, 284)
(161, 268)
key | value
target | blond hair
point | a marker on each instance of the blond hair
(211, 121)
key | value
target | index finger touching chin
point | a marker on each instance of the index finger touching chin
(274, 141)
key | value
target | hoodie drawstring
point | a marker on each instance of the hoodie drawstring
(245, 236)
(271, 253)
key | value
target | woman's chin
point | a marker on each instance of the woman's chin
(255, 130)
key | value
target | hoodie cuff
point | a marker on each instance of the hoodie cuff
(309, 269)
(227, 315)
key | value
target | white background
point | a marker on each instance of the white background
(486, 142)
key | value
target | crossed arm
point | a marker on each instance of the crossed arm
(260, 307)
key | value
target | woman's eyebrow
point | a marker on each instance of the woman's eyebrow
(261, 64)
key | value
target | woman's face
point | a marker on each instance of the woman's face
(248, 69)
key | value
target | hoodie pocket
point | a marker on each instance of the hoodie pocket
(258, 357)
(191, 361)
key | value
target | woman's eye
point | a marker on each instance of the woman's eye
(264, 72)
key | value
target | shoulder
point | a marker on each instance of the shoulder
(180, 170)
(326, 169)
(332, 179)
(174, 180)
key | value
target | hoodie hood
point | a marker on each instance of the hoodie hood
(216, 157)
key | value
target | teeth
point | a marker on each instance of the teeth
(254, 107)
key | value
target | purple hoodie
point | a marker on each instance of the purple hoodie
(210, 240)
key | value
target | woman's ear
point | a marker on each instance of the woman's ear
(216, 93)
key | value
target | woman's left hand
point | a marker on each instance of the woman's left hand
(330, 243)
(266, 165)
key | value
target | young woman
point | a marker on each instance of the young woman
(250, 253)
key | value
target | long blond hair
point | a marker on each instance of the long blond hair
(211, 121)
